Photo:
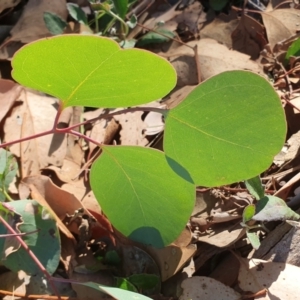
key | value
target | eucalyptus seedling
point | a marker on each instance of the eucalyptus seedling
(227, 129)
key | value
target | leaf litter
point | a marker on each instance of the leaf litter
(53, 169)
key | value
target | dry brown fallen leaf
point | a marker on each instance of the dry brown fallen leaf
(132, 127)
(14, 281)
(292, 118)
(279, 279)
(86, 293)
(35, 115)
(68, 254)
(4, 4)
(35, 195)
(177, 96)
(284, 191)
(296, 103)
(136, 260)
(214, 59)
(192, 18)
(75, 144)
(221, 28)
(103, 132)
(167, 18)
(289, 155)
(77, 188)
(248, 37)
(60, 201)
(281, 24)
(171, 258)
(9, 94)
(210, 219)
(90, 202)
(223, 235)
(31, 25)
(206, 288)
(67, 173)
(227, 270)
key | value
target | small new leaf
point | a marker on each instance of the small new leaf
(44, 243)
(271, 208)
(253, 239)
(77, 13)
(121, 7)
(255, 187)
(116, 293)
(248, 213)
(54, 23)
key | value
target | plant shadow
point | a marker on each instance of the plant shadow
(179, 170)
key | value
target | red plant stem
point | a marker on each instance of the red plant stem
(31, 254)
(120, 112)
(76, 133)
(70, 129)
(18, 234)
(27, 138)
(59, 110)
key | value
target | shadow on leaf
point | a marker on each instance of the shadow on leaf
(148, 236)
(179, 169)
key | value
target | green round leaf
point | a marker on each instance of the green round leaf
(294, 50)
(156, 37)
(121, 7)
(77, 13)
(248, 213)
(124, 284)
(255, 187)
(253, 239)
(141, 195)
(54, 23)
(144, 281)
(116, 293)
(92, 71)
(8, 171)
(45, 243)
(228, 129)
(272, 208)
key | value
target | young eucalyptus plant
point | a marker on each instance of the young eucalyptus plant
(226, 130)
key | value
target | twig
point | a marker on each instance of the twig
(290, 103)
(46, 297)
(224, 188)
(196, 56)
(18, 234)
(286, 77)
(279, 4)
